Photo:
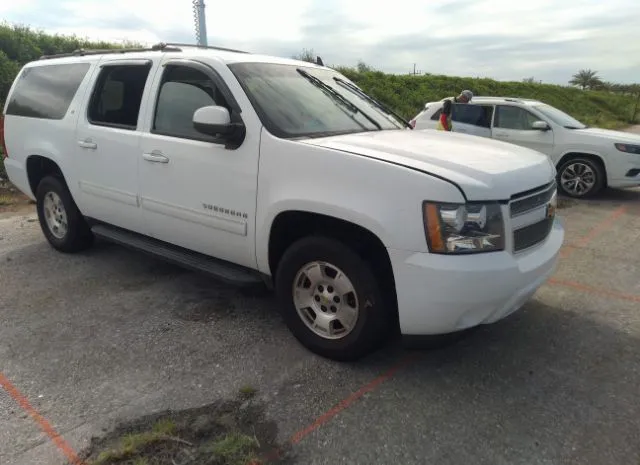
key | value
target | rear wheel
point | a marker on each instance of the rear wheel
(580, 178)
(62, 223)
(331, 300)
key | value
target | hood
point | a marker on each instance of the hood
(614, 136)
(485, 169)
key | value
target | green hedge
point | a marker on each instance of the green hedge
(407, 94)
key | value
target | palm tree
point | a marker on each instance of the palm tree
(586, 79)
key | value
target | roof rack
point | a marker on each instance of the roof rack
(162, 47)
(211, 47)
(159, 47)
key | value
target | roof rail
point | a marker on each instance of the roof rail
(211, 47)
(162, 47)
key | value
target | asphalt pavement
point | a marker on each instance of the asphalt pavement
(91, 340)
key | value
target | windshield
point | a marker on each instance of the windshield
(560, 117)
(298, 101)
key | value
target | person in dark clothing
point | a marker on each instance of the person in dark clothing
(444, 124)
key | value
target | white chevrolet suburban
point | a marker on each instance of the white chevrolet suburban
(587, 159)
(264, 170)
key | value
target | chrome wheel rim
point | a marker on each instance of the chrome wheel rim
(325, 300)
(578, 178)
(55, 215)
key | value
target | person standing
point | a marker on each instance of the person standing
(444, 123)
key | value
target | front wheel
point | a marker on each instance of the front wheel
(580, 178)
(331, 300)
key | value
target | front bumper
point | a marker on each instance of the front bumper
(625, 172)
(440, 294)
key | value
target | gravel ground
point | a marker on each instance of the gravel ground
(108, 336)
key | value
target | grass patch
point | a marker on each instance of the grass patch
(235, 449)
(6, 200)
(225, 433)
(248, 391)
(133, 444)
(165, 426)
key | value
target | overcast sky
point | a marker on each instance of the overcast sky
(546, 39)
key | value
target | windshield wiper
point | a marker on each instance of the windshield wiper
(337, 96)
(375, 102)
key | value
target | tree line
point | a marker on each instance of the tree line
(589, 98)
(22, 44)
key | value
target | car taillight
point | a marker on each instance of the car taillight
(3, 145)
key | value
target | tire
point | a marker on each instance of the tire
(570, 169)
(350, 340)
(54, 201)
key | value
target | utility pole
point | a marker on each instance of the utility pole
(200, 22)
(414, 69)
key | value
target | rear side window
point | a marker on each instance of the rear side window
(477, 115)
(117, 96)
(46, 91)
(437, 114)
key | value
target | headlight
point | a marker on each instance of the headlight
(463, 228)
(628, 148)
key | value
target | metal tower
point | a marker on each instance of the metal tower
(200, 22)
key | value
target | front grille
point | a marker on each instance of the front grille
(528, 235)
(531, 235)
(535, 200)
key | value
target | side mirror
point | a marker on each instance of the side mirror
(540, 126)
(213, 121)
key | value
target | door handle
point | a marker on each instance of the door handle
(87, 144)
(502, 135)
(155, 157)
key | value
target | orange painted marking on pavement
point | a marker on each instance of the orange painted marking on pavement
(340, 406)
(594, 290)
(58, 440)
(597, 229)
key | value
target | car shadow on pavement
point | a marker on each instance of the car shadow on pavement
(613, 196)
(545, 385)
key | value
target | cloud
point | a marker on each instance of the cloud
(493, 38)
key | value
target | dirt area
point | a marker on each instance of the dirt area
(224, 433)
(12, 201)
(634, 129)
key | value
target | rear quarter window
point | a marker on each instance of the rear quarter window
(477, 115)
(46, 91)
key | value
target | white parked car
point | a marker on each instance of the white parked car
(587, 159)
(258, 169)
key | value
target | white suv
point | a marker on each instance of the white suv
(587, 159)
(258, 169)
